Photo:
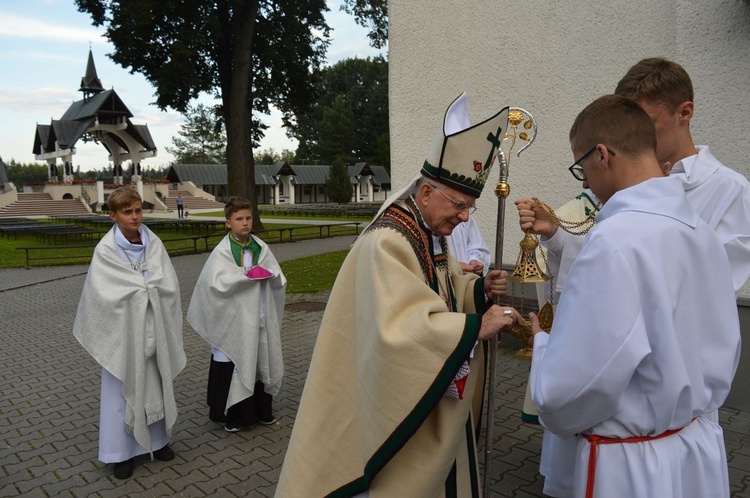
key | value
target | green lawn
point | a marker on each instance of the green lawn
(314, 273)
(310, 274)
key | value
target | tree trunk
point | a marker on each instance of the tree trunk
(238, 108)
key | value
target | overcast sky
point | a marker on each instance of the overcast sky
(44, 47)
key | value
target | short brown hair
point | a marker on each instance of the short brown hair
(659, 81)
(617, 122)
(235, 204)
(122, 198)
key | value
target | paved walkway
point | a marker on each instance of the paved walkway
(49, 404)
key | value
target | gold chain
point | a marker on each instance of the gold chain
(568, 226)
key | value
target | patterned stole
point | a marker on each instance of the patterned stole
(589, 205)
(239, 248)
(409, 223)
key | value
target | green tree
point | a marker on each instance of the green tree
(267, 156)
(373, 15)
(289, 156)
(337, 131)
(350, 116)
(29, 174)
(250, 54)
(338, 183)
(201, 139)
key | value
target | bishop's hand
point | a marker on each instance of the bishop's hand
(496, 283)
(497, 318)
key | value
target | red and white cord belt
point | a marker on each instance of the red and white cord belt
(595, 441)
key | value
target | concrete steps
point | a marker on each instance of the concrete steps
(190, 201)
(41, 204)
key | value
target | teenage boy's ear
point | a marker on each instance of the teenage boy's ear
(112, 216)
(602, 155)
(685, 111)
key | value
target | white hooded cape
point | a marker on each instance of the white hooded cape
(133, 329)
(242, 318)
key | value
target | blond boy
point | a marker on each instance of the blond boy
(130, 320)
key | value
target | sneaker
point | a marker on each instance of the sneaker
(232, 427)
(123, 470)
(165, 454)
(267, 422)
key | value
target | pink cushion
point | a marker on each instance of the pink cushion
(258, 272)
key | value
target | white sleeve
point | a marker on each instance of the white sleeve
(581, 369)
(475, 245)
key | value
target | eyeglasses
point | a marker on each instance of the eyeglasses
(459, 205)
(577, 170)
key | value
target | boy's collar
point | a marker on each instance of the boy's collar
(238, 241)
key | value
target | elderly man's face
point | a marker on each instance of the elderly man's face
(440, 208)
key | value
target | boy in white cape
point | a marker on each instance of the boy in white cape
(237, 307)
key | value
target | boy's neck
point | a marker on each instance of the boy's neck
(240, 240)
(133, 238)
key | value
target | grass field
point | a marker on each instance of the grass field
(176, 241)
(314, 273)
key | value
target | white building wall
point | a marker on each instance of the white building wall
(552, 59)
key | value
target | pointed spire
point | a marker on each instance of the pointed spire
(90, 84)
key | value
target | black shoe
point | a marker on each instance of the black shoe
(232, 427)
(165, 454)
(123, 470)
(271, 421)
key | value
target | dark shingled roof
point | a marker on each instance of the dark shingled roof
(200, 174)
(379, 175)
(310, 174)
(67, 133)
(216, 174)
(98, 106)
(107, 106)
(304, 174)
(91, 83)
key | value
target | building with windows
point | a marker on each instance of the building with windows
(282, 183)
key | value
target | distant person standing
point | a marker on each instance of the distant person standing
(180, 205)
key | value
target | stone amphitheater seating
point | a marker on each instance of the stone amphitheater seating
(41, 204)
(191, 202)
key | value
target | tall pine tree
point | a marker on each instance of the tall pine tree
(338, 183)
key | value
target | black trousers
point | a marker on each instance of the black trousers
(246, 412)
(180, 209)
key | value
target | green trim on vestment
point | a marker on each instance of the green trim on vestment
(238, 249)
(530, 419)
(451, 488)
(484, 351)
(480, 303)
(473, 470)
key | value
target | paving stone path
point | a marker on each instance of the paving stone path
(49, 403)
